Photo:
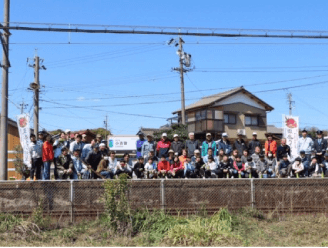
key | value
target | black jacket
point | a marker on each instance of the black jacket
(138, 166)
(281, 150)
(177, 146)
(322, 147)
(93, 159)
(240, 146)
(252, 145)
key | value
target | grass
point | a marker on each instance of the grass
(246, 228)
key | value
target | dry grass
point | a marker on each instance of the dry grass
(254, 230)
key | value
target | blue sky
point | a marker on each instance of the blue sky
(112, 69)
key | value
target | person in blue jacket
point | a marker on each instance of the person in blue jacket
(224, 144)
(209, 142)
(139, 144)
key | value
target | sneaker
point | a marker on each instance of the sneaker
(204, 178)
(288, 177)
(232, 177)
(186, 178)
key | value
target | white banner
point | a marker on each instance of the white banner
(23, 123)
(122, 143)
(291, 132)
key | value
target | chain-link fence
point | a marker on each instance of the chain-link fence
(83, 199)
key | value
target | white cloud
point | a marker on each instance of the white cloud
(81, 98)
(96, 100)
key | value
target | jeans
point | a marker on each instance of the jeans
(189, 174)
(306, 168)
(270, 174)
(74, 176)
(45, 170)
(107, 174)
(211, 173)
(36, 168)
(235, 174)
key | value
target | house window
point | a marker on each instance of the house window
(229, 119)
(251, 120)
(201, 115)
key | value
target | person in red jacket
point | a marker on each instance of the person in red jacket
(47, 158)
(239, 167)
(270, 145)
(163, 146)
(176, 170)
(163, 167)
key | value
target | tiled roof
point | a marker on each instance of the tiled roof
(208, 100)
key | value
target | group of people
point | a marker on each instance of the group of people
(77, 159)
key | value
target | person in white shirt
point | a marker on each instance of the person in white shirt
(151, 169)
(77, 144)
(36, 158)
(211, 168)
(305, 144)
(123, 167)
(297, 167)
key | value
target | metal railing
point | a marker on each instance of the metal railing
(83, 199)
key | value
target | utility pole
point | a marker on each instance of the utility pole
(183, 110)
(23, 106)
(35, 86)
(106, 126)
(290, 102)
(4, 96)
(184, 59)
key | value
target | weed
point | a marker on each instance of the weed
(8, 222)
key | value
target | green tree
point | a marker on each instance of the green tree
(181, 130)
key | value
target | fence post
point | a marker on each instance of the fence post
(252, 192)
(72, 200)
(162, 195)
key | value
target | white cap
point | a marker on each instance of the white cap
(164, 134)
(208, 134)
(84, 135)
(106, 158)
(102, 145)
(224, 135)
(254, 133)
(67, 131)
(175, 135)
(196, 151)
(191, 134)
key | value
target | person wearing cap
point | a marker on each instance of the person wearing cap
(254, 143)
(191, 144)
(283, 148)
(36, 158)
(77, 144)
(297, 167)
(320, 146)
(196, 154)
(93, 159)
(148, 145)
(170, 158)
(64, 165)
(163, 146)
(139, 144)
(47, 157)
(270, 145)
(240, 144)
(209, 142)
(284, 167)
(177, 145)
(224, 144)
(104, 150)
(305, 143)
(139, 168)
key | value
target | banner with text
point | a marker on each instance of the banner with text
(291, 132)
(23, 123)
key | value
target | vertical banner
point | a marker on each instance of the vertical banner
(291, 132)
(23, 123)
